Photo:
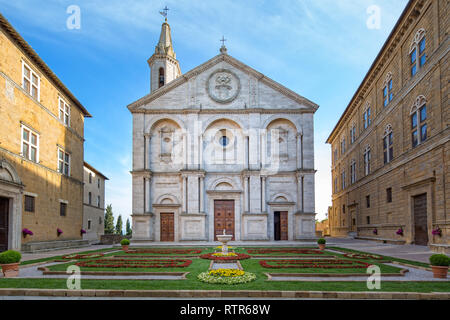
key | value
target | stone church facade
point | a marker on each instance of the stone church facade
(221, 147)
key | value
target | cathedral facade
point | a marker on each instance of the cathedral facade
(221, 148)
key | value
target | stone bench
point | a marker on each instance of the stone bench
(31, 247)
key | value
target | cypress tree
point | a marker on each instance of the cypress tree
(109, 220)
(128, 228)
(119, 225)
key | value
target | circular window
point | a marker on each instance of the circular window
(224, 141)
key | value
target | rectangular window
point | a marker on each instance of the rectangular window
(422, 55)
(100, 220)
(389, 195)
(98, 183)
(29, 203)
(89, 225)
(64, 112)
(90, 177)
(30, 144)
(419, 126)
(62, 209)
(388, 149)
(367, 162)
(90, 198)
(353, 173)
(368, 201)
(63, 162)
(343, 180)
(30, 81)
(368, 219)
(413, 62)
(98, 201)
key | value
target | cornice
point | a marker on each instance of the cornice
(410, 14)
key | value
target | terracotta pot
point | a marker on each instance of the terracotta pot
(10, 270)
(439, 272)
(321, 246)
(125, 247)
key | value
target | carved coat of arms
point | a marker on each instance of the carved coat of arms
(223, 86)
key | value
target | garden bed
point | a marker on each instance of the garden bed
(135, 263)
(325, 264)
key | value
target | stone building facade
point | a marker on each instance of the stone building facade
(41, 149)
(390, 148)
(221, 147)
(93, 203)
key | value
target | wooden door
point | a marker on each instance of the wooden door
(283, 225)
(223, 217)
(420, 220)
(280, 224)
(4, 213)
(167, 227)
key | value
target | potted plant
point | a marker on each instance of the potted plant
(125, 243)
(400, 231)
(82, 231)
(439, 265)
(26, 232)
(9, 261)
(437, 232)
(321, 242)
(59, 232)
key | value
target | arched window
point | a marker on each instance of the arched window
(419, 121)
(161, 77)
(417, 53)
(388, 147)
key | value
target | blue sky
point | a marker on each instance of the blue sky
(321, 49)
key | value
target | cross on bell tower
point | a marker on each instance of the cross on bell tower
(223, 49)
(164, 12)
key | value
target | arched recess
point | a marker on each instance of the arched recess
(281, 197)
(287, 118)
(167, 199)
(8, 173)
(157, 119)
(210, 122)
(221, 183)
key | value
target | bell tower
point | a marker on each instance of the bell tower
(164, 66)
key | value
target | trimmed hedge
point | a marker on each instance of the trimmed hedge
(439, 260)
(10, 256)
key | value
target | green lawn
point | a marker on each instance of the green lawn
(252, 265)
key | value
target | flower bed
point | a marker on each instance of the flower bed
(83, 256)
(166, 251)
(135, 263)
(296, 251)
(220, 254)
(236, 256)
(363, 256)
(226, 276)
(325, 263)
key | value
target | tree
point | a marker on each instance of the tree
(109, 220)
(119, 225)
(128, 228)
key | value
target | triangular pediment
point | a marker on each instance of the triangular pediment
(223, 82)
